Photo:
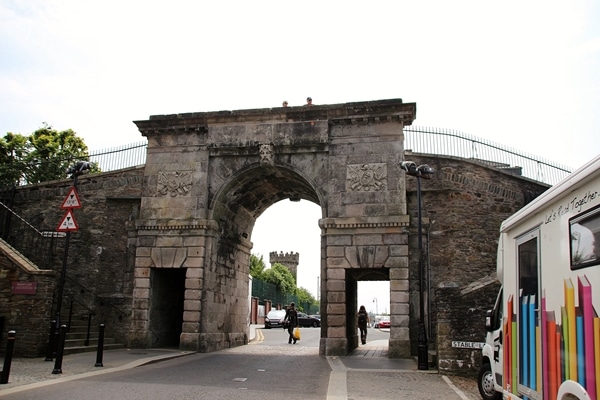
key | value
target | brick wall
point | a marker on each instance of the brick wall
(27, 314)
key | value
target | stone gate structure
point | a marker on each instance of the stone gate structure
(209, 176)
(161, 257)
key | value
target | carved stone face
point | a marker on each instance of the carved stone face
(265, 152)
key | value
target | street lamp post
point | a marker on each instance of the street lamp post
(376, 306)
(426, 172)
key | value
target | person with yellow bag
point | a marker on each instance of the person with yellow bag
(291, 319)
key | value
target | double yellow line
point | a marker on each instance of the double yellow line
(258, 337)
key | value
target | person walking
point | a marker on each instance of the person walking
(291, 318)
(363, 321)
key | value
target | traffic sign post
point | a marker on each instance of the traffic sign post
(68, 224)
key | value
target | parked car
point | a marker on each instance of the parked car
(274, 319)
(383, 323)
(305, 320)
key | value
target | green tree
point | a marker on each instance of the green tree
(279, 275)
(305, 296)
(45, 155)
(52, 152)
(257, 267)
(13, 150)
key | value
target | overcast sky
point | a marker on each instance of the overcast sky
(521, 73)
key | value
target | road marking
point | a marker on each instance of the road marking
(258, 337)
(338, 388)
(457, 390)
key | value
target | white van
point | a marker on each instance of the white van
(543, 335)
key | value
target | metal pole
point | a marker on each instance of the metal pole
(51, 351)
(61, 284)
(422, 351)
(100, 349)
(59, 353)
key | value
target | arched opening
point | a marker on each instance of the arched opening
(242, 200)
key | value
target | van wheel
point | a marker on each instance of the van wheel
(485, 383)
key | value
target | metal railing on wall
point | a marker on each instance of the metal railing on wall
(120, 157)
(426, 140)
(417, 139)
(457, 144)
(39, 247)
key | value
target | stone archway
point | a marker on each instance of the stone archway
(209, 176)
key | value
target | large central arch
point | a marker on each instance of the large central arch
(209, 176)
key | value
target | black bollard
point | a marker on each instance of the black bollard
(59, 352)
(51, 351)
(100, 346)
(10, 345)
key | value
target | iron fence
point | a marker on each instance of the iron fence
(456, 144)
(120, 157)
(416, 139)
(268, 291)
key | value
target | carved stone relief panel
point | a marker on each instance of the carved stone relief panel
(178, 183)
(366, 177)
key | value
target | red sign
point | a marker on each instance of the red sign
(68, 223)
(72, 200)
(24, 287)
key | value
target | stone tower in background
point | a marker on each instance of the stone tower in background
(290, 260)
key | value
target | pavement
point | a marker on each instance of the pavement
(352, 377)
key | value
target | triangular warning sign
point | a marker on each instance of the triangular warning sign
(72, 200)
(68, 223)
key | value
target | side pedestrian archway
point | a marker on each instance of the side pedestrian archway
(209, 176)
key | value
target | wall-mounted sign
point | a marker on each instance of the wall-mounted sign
(467, 345)
(23, 287)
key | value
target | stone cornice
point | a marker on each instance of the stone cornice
(154, 225)
(395, 221)
(344, 113)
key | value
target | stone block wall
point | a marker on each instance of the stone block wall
(100, 254)
(463, 206)
(461, 318)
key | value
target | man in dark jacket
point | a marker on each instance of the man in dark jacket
(291, 319)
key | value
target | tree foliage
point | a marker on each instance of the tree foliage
(13, 151)
(281, 276)
(257, 267)
(43, 156)
(305, 296)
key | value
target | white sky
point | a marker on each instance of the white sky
(520, 73)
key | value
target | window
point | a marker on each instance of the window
(584, 231)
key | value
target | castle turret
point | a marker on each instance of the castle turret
(290, 260)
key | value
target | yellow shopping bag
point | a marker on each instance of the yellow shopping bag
(297, 333)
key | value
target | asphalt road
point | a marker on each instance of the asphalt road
(267, 368)
(264, 369)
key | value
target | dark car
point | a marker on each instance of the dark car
(274, 319)
(308, 320)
